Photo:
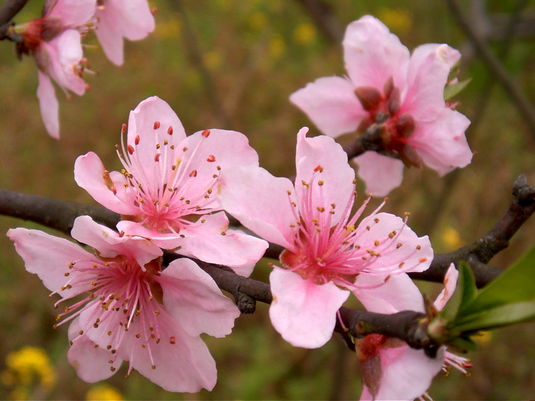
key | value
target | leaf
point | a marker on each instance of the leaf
(453, 90)
(465, 292)
(508, 299)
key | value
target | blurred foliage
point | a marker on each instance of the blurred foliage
(257, 53)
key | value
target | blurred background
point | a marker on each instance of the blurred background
(233, 64)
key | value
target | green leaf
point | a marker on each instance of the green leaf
(516, 284)
(508, 299)
(497, 317)
(453, 90)
(465, 292)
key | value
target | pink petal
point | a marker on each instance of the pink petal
(383, 233)
(373, 55)
(213, 151)
(48, 257)
(210, 240)
(450, 283)
(331, 104)
(90, 362)
(72, 13)
(90, 174)
(48, 104)
(429, 67)
(109, 244)
(260, 202)
(110, 38)
(184, 365)
(441, 143)
(64, 54)
(152, 120)
(322, 159)
(380, 173)
(304, 313)
(165, 240)
(192, 297)
(407, 373)
(133, 18)
(388, 294)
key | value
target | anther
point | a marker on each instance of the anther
(193, 173)
(172, 340)
(206, 133)
(170, 130)
(418, 247)
(318, 168)
(130, 149)
(156, 125)
(136, 140)
(157, 157)
(320, 182)
(123, 128)
(210, 159)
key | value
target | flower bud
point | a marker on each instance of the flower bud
(369, 97)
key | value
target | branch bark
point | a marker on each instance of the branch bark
(10, 9)
(322, 14)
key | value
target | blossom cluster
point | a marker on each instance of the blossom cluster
(174, 192)
(55, 42)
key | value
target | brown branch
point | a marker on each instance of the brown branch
(323, 17)
(522, 103)
(408, 326)
(10, 9)
(369, 140)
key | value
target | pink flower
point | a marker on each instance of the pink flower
(118, 19)
(123, 308)
(168, 186)
(325, 248)
(55, 42)
(405, 92)
(391, 370)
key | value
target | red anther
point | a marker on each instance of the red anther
(318, 168)
(193, 173)
(121, 234)
(130, 149)
(157, 157)
(170, 130)
(123, 128)
(210, 158)
(206, 133)
(369, 97)
(136, 141)
(172, 340)
(156, 125)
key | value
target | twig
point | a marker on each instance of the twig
(10, 9)
(522, 103)
(369, 140)
(497, 239)
(322, 14)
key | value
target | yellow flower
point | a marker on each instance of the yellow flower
(396, 19)
(103, 392)
(277, 47)
(30, 363)
(451, 238)
(304, 33)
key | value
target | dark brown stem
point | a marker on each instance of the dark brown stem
(323, 17)
(494, 65)
(9, 9)
(369, 140)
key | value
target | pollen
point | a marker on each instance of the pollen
(321, 182)
(318, 168)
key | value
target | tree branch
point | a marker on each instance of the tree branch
(10, 9)
(522, 103)
(322, 14)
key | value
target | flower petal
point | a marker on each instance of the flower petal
(441, 143)
(192, 297)
(396, 248)
(304, 313)
(48, 103)
(133, 18)
(210, 240)
(260, 202)
(72, 13)
(90, 174)
(429, 67)
(373, 55)
(110, 38)
(331, 104)
(90, 361)
(48, 257)
(322, 164)
(109, 244)
(380, 173)
(388, 294)
(450, 283)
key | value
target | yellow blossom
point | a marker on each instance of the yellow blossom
(304, 33)
(451, 238)
(398, 20)
(103, 392)
(30, 363)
